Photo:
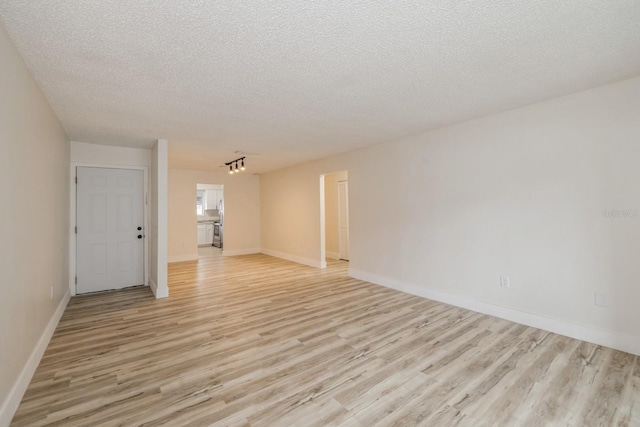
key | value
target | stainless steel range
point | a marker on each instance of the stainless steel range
(217, 226)
(217, 235)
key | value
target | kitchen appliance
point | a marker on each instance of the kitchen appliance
(217, 235)
(217, 227)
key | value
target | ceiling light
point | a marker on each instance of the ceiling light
(235, 162)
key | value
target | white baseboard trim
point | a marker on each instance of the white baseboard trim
(332, 255)
(181, 258)
(612, 339)
(234, 252)
(295, 258)
(9, 406)
(158, 292)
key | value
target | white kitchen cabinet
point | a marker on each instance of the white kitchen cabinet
(218, 197)
(202, 234)
(209, 234)
(211, 199)
(205, 234)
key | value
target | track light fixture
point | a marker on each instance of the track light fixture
(235, 169)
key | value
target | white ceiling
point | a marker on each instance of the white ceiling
(298, 80)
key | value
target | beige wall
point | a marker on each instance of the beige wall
(524, 193)
(331, 213)
(242, 212)
(290, 210)
(34, 222)
(107, 155)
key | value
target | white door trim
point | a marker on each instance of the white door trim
(323, 244)
(72, 217)
(343, 212)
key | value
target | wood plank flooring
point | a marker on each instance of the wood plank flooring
(255, 340)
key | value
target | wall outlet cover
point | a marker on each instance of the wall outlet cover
(504, 282)
(601, 299)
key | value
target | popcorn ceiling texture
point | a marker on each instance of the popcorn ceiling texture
(297, 80)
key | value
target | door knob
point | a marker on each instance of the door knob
(139, 236)
(139, 228)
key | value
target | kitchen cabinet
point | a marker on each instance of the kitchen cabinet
(202, 234)
(205, 234)
(212, 199)
(209, 233)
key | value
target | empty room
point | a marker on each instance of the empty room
(307, 213)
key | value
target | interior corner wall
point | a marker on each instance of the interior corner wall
(546, 194)
(241, 228)
(290, 211)
(34, 222)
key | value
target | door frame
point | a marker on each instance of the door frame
(72, 218)
(343, 184)
(323, 225)
(323, 242)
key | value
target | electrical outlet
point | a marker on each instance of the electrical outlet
(504, 282)
(601, 299)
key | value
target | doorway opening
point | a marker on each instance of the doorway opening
(210, 219)
(334, 216)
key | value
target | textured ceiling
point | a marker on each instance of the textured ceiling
(298, 80)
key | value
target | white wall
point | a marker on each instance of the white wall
(158, 232)
(34, 222)
(522, 193)
(241, 212)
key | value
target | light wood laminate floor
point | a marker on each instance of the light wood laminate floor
(254, 340)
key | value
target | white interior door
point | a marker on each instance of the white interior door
(343, 219)
(110, 235)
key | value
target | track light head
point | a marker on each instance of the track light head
(235, 169)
